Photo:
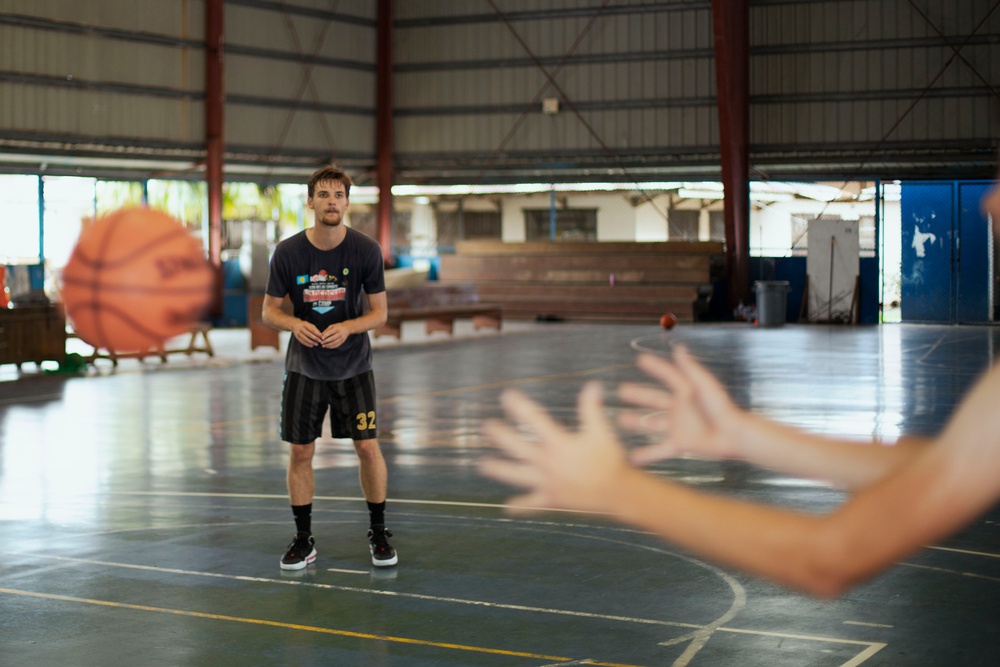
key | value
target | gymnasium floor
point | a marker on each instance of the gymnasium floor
(143, 512)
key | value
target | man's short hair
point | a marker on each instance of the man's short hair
(330, 172)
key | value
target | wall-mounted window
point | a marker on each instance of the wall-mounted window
(571, 224)
(683, 223)
(454, 226)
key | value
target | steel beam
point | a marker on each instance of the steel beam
(383, 128)
(214, 111)
(731, 19)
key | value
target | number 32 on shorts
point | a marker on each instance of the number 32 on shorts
(366, 421)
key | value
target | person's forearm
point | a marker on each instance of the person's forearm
(370, 320)
(769, 542)
(922, 500)
(819, 555)
(844, 463)
(282, 321)
(698, 417)
(276, 318)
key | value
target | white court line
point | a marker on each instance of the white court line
(946, 570)
(337, 569)
(869, 625)
(698, 638)
(365, 591)
(450, 503)
(873, 647)
(860, 658)
(814, 638)
(966, 552)
(276, 496)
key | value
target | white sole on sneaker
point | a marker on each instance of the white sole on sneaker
(389, 562)
(311, 558)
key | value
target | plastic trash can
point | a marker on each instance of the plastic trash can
(772, 296)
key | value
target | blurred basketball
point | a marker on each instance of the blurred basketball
(136, 278)
(668, 320)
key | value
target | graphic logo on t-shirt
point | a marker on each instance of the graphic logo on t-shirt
(322, 291)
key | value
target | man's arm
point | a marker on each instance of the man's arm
(275, 317)
(378, 311)
(939, 490)
(695, 416)
(335, 334)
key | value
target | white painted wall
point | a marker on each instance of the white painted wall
(651, 221)
(616, 217)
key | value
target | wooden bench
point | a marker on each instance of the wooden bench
(197, 331)
(438, 306)
(612, 281)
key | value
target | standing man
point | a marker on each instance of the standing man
(329, 272)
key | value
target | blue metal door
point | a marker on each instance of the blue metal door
(946, 265)
(975, 273)
(927, 235)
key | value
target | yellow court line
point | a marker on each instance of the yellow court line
(698, 638)
(304, 628)
(372, 591)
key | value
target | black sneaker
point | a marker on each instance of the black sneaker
(301, 552)
(383, 555)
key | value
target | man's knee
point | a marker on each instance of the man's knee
(368, 449)
(300, 455)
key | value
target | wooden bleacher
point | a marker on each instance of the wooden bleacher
(612, 281)
(438, 305)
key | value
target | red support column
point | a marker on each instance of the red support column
(731, 19)
(383, 128)
(214, 109)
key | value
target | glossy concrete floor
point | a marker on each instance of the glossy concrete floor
(143, 511)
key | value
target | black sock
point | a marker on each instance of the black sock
(376, 511)
(303, 518)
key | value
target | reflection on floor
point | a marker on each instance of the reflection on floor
(143, 511)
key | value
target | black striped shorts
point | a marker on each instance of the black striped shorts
(304, 402)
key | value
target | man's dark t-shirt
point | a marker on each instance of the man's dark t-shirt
(325, 287)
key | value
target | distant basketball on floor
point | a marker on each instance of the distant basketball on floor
(668, 320)
(136, 278)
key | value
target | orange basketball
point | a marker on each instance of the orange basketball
(668, 321)
(135, 279)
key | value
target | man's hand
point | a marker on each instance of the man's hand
(335, 335)
(558, 468)
(306, 333)
(693, 416)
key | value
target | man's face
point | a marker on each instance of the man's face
(329, 202)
